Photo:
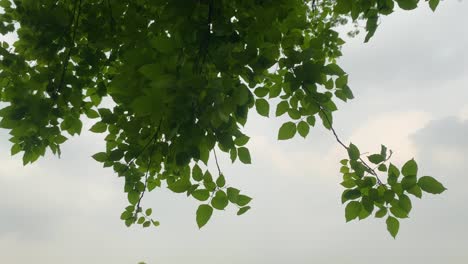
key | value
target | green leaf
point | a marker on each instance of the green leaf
(220, 200)
(243, 210)
(100, 157)
(410, 168)
(397, 211)
(393, 171)
(99, 127)
(353, 152)
(148, 211)
(244, 155)
(393, 225)
(262, 106)
(241, 140)
(221, 181)
(197, 173)
(381, 212)
(282, 108)
(243, 200)
(416, 191)
(376, 158)
(204, 213)
(232, 194)
(201, 194)
(431, 185)
(350, 195)
(408, 182)
(287, 131)
(405, 203)
(433, 4)
(133, 197)
(407, 4)
(352, 210)
(303, 129)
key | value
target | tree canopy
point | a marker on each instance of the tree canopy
(181, 77)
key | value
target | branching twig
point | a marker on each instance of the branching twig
(370, 170)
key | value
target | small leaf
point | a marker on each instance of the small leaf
(201, 194)
(303, 129)
(100, 157)
(241, 140)
(221, 181)
(243, 200)
(353, 152)
(408, 182)
(416, 191)
(352, 210)
(220, 200)
(244, 155)
(393, 225)
(282, 108)
(133, 197)
(99, 127)
(242, 210)
(405, 203)
(433, 4)
(287, 131)
(148, 211)
(232, 194)
(376, 158)
(431, 185)
(410, 168)
(381, 213)
(262, 106)
(204, 213)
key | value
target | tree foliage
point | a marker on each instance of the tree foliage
(182, 77)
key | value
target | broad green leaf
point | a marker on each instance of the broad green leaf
(431, 185)
(416, 191)
(243, 200)
(405, 203)
(244, 155)
(376, 158)
(133, 197)
(282, 108)
(352, 210)
(201, 194)
(262, 106)
(232, 194)
(220, 200)
(148, 211)
(221, 181)
(303, 129)
(99, 127)
(100, 157)
(408, 182)
(410, 168)
(393, 225)
(381, 212)
(287, 131)
(204, 213)
(353, 152)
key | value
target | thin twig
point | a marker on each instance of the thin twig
(370, 170)
(216, 160)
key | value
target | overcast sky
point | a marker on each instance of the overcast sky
(410, 84)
